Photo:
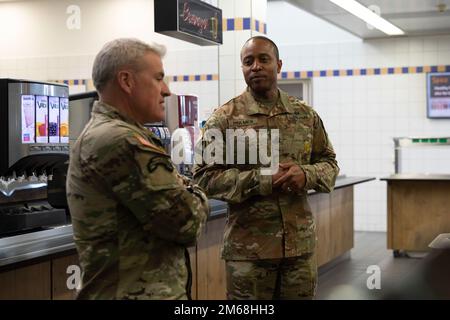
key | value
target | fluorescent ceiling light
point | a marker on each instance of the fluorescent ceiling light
(368, 16)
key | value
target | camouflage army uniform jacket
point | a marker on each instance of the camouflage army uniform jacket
(133, 215)
(263, 223)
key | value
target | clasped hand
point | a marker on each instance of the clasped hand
(290, 177)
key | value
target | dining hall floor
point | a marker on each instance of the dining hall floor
(348, 278)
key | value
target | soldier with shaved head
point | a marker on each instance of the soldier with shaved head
(270, 239)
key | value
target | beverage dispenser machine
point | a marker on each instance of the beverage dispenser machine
(34, 144)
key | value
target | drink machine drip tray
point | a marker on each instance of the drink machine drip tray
(22, 218)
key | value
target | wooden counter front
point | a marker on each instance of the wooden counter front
(334, 228)
(39, 279)
(30, 275)
(418, 210)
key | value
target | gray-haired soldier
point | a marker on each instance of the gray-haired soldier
(133, 215)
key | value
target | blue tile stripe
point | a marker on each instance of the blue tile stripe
(176, 78)
(298, 74)
(73, 82)
(195, 77)
(363, 72)
(230, 24)
(244, 23)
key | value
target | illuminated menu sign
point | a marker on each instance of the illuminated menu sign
(190, 20)
(438, 95)
(200, 19)
(28, 118)
(64, 120)
(41, 119)
(53, 120)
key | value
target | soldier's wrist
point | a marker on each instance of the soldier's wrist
(265, 184)
(309, 181)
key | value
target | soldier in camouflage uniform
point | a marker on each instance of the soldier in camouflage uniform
(133, 215)
(269, 240)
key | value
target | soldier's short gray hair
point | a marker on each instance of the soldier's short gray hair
(119, 53)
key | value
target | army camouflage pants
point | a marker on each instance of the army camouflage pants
(273, 279)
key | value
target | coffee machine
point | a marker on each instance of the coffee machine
(182, 121)
(34, 144)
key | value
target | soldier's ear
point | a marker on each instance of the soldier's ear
(125, 80)
(279, 65)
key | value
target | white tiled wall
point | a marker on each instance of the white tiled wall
(203, 60)
(38, 57)
(47, 68)
(71, 55)
(259, 10)
(231, 79)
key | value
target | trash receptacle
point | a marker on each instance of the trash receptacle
(442, 241)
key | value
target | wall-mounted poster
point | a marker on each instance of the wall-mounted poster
(438, 95)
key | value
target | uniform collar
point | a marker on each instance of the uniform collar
(253, 107)
(113, 113)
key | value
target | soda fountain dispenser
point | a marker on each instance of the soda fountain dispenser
(34, 140)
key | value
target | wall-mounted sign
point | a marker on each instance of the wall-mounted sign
(438, 95)
(189, 20)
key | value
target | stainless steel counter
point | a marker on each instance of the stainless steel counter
(57, 240)
(344, 181)
(35, 244)
(219, 208)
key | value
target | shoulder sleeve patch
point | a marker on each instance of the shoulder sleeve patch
(146, 145)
